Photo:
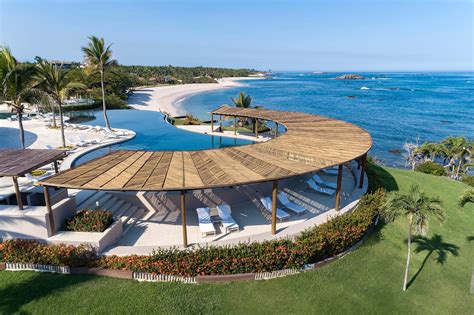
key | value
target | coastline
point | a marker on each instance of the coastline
(169, 98)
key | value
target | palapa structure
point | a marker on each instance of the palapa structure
(310, 143)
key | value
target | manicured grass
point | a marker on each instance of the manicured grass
(369, 280)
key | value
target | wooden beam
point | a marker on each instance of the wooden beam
(47, 201)
(235, 125)
(55, 167)
(339, 187)
(220, 122)
(17, 192)
(256, 128)
(276, 130)
(212, 122)
(362, 169)
(183, 218)
(274, 205)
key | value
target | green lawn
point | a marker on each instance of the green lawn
(368, 280)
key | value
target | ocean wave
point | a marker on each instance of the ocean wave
(364, 88)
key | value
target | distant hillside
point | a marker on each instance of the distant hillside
(148, 75)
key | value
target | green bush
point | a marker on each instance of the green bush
(467, 179)
(89, 220)
(432, 168)
(29, 251)
(315, 244)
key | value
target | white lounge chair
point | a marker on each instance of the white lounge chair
(319, 189)
(109, 135)
(75, 143)
(205, 224)
(88, 141)
(330, 171)
(290, 205)
(228, 222)
(280, 214)
(324, 183)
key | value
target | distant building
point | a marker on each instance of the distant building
(63, 64)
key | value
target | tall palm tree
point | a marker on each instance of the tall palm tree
(431, 150)
(18, 86)
(466, 196)
(417, 207)
(99, 56)
(53, 81)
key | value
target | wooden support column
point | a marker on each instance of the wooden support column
(235, 125)
(47, 201)
(362, 169)
(339, 187)
(212, 122)
(17, 193)
(276, 130)
(220, 123)
(55, 167)
(256, 128)
(274, 206)
(183, 218)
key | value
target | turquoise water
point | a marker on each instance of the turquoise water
(153, 133)
(393, 107)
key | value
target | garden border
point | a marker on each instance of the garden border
(148, 277)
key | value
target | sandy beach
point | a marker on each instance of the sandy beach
(168, 98)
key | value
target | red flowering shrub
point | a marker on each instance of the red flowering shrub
(29, 251)
(88, 220)
(315, 244)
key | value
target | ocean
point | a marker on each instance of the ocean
(393, 107)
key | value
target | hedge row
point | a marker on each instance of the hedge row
(315, 244)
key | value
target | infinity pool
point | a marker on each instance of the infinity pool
(153, 133)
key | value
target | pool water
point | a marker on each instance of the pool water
(153, 133)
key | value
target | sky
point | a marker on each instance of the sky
(363, 35)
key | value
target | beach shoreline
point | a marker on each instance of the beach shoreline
(168, 99)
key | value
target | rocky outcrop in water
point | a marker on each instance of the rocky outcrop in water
(349, 77)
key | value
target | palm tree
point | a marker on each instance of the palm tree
(431, 150)
(417, 207)
(457, 150)
(18, 86)
(466, 196)
(99, 56)
(242, 100)
(53, 81)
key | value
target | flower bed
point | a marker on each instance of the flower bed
(88, 220)
(315, 244)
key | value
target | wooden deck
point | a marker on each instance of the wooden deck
(310, 143)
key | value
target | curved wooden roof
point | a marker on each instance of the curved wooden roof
(310, 143)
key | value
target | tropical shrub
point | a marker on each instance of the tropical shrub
(29, 251)
(90, 220)
(315, 244)
(432, 168)
(467, 179)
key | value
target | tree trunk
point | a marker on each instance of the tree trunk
(459, 168)
(54, 115)
(104, 108)
(63, 138)
(19, 114)
(405, 281)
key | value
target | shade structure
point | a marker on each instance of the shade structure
(310, 143)
(18, 162)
